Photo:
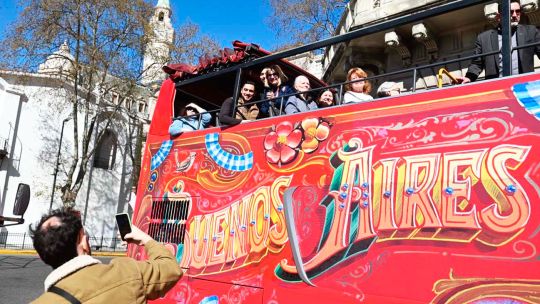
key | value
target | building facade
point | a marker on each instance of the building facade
(36, 135)
(436, 39)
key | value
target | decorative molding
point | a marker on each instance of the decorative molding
(422, 35)
(393, 41)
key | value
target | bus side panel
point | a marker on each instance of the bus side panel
(429, 197)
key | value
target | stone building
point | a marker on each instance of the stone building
(435, 39)
(36, 128)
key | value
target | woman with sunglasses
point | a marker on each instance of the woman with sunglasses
(192, 117)
(274, 88)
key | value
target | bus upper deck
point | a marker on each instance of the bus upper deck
(430, 196)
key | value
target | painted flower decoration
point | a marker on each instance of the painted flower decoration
(281, 144)
(315, 131)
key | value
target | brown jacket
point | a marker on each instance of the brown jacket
(124, 280)
(250, 113)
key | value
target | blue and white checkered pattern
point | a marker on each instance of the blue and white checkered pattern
(528, 94)
(161, 154)
(225, 159)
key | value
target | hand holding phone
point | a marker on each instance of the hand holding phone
(124, 224)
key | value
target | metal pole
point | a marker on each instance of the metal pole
(414, 80)
(506, 47)
(57, 161)
(91, 169)
(236, 93)
(98, 104)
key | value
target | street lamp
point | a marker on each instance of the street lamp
(58, 160)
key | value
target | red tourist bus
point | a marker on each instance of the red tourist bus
(431, 196)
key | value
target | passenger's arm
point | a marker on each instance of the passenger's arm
(477, 64)
(253, 112)
(264, 107)
(536, 39)
(161, 271)
(226, 113)
(176, 127)
(205, 119)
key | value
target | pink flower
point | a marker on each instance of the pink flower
(315, 131)
(281, 145)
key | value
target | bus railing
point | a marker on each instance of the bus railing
(414, 70)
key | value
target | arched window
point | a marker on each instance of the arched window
(106, 151)
(161, 16)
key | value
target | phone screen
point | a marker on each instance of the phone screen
(124, 224)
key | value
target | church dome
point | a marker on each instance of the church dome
(61, 62)
(163, 4)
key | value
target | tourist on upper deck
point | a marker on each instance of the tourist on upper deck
(301, 102)
(388, 88)
(276, 87)
(192, 117)
(264, 80)
(357, 91)
(491, 40)
(244, 113)
(325, 98)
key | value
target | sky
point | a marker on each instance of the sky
(225, 21)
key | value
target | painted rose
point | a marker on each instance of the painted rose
(315, 131)
(282, 144)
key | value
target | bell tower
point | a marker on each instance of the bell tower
(157, 51)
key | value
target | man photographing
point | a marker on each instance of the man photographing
(491, 40)
(61, 242)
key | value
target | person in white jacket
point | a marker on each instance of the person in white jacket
(359, 89)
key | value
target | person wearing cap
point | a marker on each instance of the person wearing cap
(388, 88)
(192, 117)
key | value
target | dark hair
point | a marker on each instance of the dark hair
(183, 112)
(318, 100)
(57, 244)
(249, 82)
(499, 4)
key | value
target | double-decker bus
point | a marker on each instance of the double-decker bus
(429, 196)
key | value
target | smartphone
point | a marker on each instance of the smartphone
(124, 224)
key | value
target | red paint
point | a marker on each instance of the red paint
(458, 236)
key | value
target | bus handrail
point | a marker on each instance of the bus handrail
(404, 71)
(378, 27)
(443, 71)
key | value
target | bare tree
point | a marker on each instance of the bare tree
(299, 22)
(106, 41)
(190, 44)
